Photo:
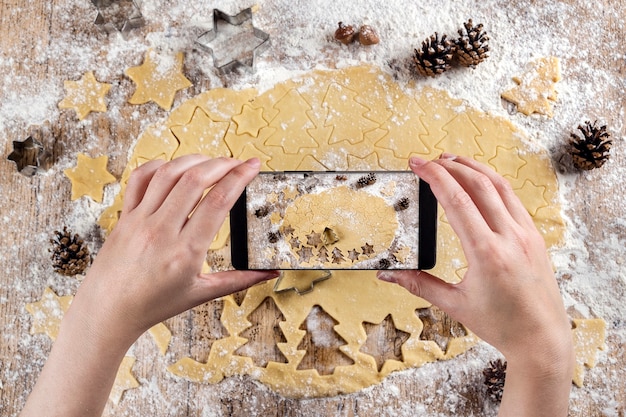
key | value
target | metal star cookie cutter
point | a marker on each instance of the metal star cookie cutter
(244, 16)
(118, 15)
(30, 157)
(326, 274)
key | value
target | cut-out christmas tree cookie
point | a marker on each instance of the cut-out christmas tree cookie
(85, 95)
(385, 119)
(48, 312)
(158, 79)
(589, 335)
(124, 380)
(89, 177)
(536, 89)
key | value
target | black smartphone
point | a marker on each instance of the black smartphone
(334, 220)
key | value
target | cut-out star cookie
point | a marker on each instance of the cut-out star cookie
(124, 380)
(536, 88)
(85, 95)
(48, 312)
(158, 79)
(588, 335)
(89, 177)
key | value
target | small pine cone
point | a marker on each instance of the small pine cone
(70, 256)
(435, 55)
(495, 376)
(402, 204)
(366, 180)
(592, 150)
(472, 46)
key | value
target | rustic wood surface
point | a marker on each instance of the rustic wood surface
(32, 208)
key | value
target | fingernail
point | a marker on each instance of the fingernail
(416, 162)
(449, 156)
(387, 276)
(254, 162)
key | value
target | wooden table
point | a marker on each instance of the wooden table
(32, 208)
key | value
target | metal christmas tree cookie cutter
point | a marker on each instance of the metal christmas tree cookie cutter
(239, 19)
(324, 275)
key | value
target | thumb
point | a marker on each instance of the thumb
(424, 285)
(224, 283)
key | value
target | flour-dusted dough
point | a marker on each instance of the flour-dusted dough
(352, 119)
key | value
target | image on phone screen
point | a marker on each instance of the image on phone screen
(334, 220)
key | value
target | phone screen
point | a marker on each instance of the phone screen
(329, 220)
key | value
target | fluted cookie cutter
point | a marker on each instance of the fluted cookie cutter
(118, 15)
(249, 59)
(324, 275)
(30, 157)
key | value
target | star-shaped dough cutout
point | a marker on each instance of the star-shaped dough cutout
(507, 161)
(158, 79)
(201, 135)
(250, 121)
(89, 177)
(85, 95)
(532, 196)
(124, 380)
(588, 335)
(48, 312)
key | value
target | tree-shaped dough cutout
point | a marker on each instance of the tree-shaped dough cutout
(378, 341)
(322, 343)
(264, 335)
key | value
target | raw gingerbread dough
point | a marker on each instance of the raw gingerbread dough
(48, 312)
(588, 335)
(536, 89)
(158, 79)
(352, 119)
(89, 177)
(85, 95)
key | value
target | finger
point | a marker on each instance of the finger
(165, 178)
(483, 193)
(191, 186)
(138, 184)
(219, 284)
(424, 285)
(465, 218)
(511, 201)
(214, 207)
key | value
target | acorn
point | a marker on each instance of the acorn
(368, 36)
(345, 33)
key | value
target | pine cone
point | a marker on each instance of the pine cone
(472, 46)
(495, 376)
(435, 56)
(366, 180)
(592, 150)
(70, 256)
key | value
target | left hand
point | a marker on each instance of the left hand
(149, 268)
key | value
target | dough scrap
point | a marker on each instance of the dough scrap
(85, 95)
(536, 89)
(89, 177)
(388, 124)
(158, 79)
(48, 312)
(588, 335)
(124, 380)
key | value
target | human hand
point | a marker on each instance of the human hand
(149, 268)
(509, 296)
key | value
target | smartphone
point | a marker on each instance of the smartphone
(334, 220)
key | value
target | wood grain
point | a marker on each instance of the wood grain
(31, 208)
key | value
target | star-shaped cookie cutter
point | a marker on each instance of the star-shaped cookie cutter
(131, 17)
(325, 274)
(30, 157)
(245, 15)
